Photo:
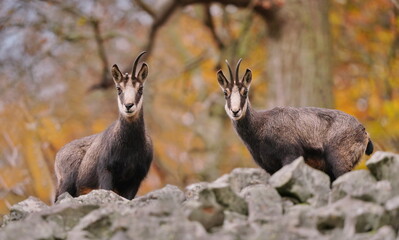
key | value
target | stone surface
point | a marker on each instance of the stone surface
(95, 197)
(350, 215)
(244, 204)
(383, 233)
(302, 182)
(392, 207)
(22, 209)
(264, 202)
(193, 190)
(240, 178)
(360, 184)
(385, 166)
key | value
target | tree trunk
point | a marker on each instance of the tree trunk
(299, 55)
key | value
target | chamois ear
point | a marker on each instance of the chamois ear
(116, 74)
(222, 80)
(142, 76)
(246, 80)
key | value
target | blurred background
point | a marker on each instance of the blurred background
(55, 85)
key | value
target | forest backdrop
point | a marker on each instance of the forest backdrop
(55, 86)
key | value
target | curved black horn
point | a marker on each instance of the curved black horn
(230, 71)
(237, 67)
(135, 63)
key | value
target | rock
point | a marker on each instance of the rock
(350, 215)
(236, 224)
(279, 230)
(361, 185)
(300, 181)
(385, 166)
(244, 204)
(298, 216)
(192, 191)
(66, 216)
(210, 203)
(264, 202)
(35, 228)
(151, 227)
(383, 233)
(98, 223)
(51, 223)
(64, 197)
(95, 197)
(227, 198)
(392, 206)
(22, 209)
(161, 202)
(209, 215)
(240, 178)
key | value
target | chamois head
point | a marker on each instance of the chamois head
(235, 91)
(130, 88)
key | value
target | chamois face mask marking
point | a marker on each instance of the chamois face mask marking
(235, 91)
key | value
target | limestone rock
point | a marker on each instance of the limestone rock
(264, 202)
(385, 166)
(244, 204)
(300, 181)
(227, 198)
(210, 203)
(95, 197)
(350, 215)
(392, 206)
(160, 202)
(240, 178)
(22, 209)
(383, 233)
(209, 214)
(361, 185)
(192, 191)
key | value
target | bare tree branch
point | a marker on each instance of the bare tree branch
(395, 3)
(105, 79)
(160, 19)
(146, 8)
(208, 21)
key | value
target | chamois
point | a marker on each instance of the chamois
(116, 159)
(329, 140)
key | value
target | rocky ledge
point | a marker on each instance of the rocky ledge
(297, 202)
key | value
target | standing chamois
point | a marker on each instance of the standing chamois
(329, 140)
(116, 159)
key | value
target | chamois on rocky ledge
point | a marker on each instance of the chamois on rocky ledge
(329, 140)
(116, 159)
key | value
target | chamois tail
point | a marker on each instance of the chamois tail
(370, 147)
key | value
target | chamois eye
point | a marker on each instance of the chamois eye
(119, 90)
(140, 91)
(226, 94)
(245, 92)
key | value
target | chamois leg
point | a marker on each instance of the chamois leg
(65, 186)
(343, 157)
(105, 180)
(339, 162)
(289, 158)
(130, 193)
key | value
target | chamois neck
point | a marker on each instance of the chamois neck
(248, 129)
(131, 127)
(248, 118)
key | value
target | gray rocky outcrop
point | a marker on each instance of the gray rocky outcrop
(297, 202)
